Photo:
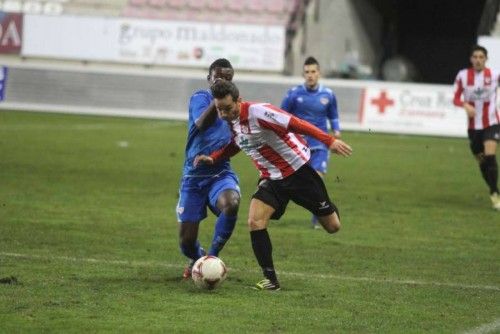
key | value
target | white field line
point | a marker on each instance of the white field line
(284, 273)
(492, 327)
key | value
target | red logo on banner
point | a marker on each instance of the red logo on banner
(382, 102)
(11, 32)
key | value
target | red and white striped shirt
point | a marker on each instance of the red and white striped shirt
(479, 90)
(271, 138)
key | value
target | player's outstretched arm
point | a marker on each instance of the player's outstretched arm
(341, 148)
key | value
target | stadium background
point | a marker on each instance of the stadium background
(161, 42)
(408, 246)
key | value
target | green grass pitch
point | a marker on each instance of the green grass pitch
(88, 230)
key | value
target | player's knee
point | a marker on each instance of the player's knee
(333, 227)
(231, 207)
(256, 224)
(229, 203)
(331, 223)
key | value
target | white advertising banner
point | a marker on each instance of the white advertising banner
(424, 110)
(69, 37)
(180, 43)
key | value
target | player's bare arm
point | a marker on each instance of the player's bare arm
(469, 109)
(207, 118)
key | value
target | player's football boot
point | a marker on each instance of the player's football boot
(186, 274)
(266, 284)
(187, 270)
(495, 201)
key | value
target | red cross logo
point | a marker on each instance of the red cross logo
(382, 102)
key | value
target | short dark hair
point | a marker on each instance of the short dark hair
(311, 61)
(479, 48)
(222, 88)
(221, 62)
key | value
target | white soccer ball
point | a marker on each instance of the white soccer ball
(208, 272)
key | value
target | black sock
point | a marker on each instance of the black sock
(263, 250)
(491, 172)
(483, 166)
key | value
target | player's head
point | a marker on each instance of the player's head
(220, 69)
(311, 72)
(478, 57)
(227, 99)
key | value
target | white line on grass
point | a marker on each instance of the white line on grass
(486, 328)
(286, 273)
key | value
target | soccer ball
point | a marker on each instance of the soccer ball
(208, 272)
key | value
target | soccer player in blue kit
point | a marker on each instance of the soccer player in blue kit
(213, 186)
(316, 104)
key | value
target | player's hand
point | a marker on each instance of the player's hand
(203, 159)
(469, 109)
(337, 134)
(341, 148)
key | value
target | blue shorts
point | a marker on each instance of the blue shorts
(319, 160)
(198, 193)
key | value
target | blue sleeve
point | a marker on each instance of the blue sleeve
(333, 114)
(286, 104)
(198, 104)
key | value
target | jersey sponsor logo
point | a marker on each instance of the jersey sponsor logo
(270, 115)
(478, 92)
(246, 145)
(324, 101)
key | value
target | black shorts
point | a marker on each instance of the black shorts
(478, 137)
(304, 187)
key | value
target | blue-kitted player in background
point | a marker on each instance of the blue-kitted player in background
(317, 105)
(212, 186)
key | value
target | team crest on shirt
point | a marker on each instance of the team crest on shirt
(300, 99)
(180, 210)
(478, 92)
(324, 101)
(487, 81)
(244, 129)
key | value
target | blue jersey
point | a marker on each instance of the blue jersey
(204, 142)
(317, 106)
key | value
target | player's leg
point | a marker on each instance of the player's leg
(258, 220)
(191, 209)
(308, 190)
(224, 199)
(267, 203)
(318, 161)
(476, 145)
(490, 165)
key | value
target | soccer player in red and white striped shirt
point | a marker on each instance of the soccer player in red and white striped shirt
(272, 138)
(475, 91)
